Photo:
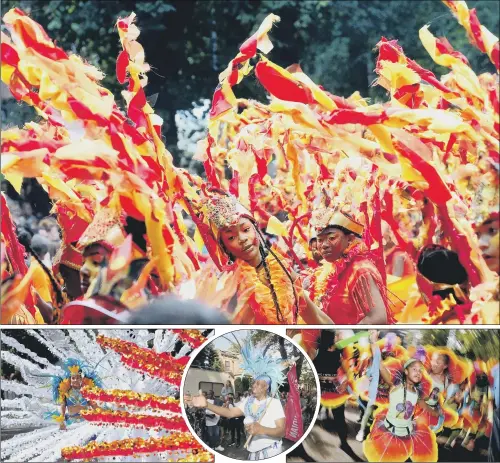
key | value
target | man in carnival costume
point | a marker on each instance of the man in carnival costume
(257, 284)
(263, 412)
(348, 286)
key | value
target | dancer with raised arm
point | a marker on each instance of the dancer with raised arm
(264, 415)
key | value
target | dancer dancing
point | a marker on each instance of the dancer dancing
(395, 434)
(348, 286)
(258, 285)
(264, 415)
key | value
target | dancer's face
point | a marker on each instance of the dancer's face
(95, 257)
(438, 363)
(242, 242)
(414, 372)
(259, 388)
(72, 281)
(332, 243)
(489, 243)
(76, 381)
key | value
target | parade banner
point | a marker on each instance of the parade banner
(294, 428)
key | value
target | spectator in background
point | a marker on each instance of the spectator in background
(212, 421)
(235, 425)
(30, 219)
(283, 399)
(226, 390)
(303, 402)
(41, 245)
(49, 228)
(225, 423)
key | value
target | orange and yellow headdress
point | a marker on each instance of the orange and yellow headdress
(104, 229)
(330, 217)
(61, 385)
(219, 210)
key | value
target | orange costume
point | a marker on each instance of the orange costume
(267, 289)
(342, 288)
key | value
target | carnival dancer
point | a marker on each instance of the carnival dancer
(371, 387)
(440, 270)
(335, 386)
(456, 398)
(478, 410)
(258, 284)
(66, 391)
(264, 415)
(395, 434)
(116, 383)
(348, 286)
(444, 368)
(109, 291)
(316, 254)
(489, 241)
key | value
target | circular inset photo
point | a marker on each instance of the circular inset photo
(250, 395)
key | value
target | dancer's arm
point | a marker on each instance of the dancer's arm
(428, 408)
(200, 401)
(367, 294)
(255, 429)
(62, 426)
(384, 371)
(45, 308)
(312, 315)
(225, 412)
(245, 316)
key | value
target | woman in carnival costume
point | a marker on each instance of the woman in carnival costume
(348, 286)
(395, 434)
(444, 368)
(263, 412)
(258, 284)
(118, 413)
(109, 289)
(66, 391)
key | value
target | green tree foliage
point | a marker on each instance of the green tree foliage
(208, 359)
(474, 344)
(242, 384)
(189, 42)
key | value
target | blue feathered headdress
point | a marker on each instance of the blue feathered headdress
(263, 367)
(70, 366)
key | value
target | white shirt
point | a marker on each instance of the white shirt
(273, 413)
(211, 419)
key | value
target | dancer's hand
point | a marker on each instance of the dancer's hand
(197, 401)
(254, 428)
(373, 336)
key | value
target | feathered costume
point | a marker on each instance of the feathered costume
(134, 413)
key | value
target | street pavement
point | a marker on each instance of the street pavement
(239, 453)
